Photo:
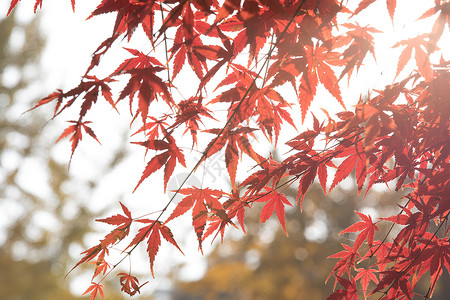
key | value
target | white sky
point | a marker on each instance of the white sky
(70, 43)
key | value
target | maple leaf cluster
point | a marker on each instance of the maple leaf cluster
(398, 134)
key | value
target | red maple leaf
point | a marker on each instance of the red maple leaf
(236, 141)
(187, 43)
(90, 254)
(366, 275)
(420, 46)
(189, 114)
(275, 202)
(167, 159)
(129, 284)
(121, 220)
(218, 220)
(244, 95)
(101, 266)
(436, 256)
(123, 223)
(344, 170)
(94, 289)
(391, 4)
(11, 7)
(397, 285)
(349, 291)
(356, 159)
(143, 82)
(201, 201)
(91, 86)
(153, 234)
(361, 42)
(416, 224)
(271, 171)
(130, 14)
(279, 114)
(265, 103)
(444, 18)
(215, 53)
(227, 8)
(308, 168)
(235, 207)
(153, 128)
(58, 96)
(367, 228)
(318, 69)
(347, 259)
(76, 133)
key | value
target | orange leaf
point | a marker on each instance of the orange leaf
(366, 275)
(167, 159)
(391, 8)
(93, 289)
(344, 170)
(201, 201)
(153, 234)
(275, 202)
(129, 284)
(77, 135)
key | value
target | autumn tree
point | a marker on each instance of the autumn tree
(246, 62)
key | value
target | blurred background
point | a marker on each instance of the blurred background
(43, 211)
(46, 212)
